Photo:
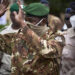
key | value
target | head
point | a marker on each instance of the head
(70, 12)
(67, 17)
(36, 13)
(38, 21)
(45, 2)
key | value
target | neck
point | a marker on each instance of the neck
(15, 26)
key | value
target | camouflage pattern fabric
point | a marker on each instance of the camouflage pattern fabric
(31, 58)
(6, 43)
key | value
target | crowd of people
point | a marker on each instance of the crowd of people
(36, 42)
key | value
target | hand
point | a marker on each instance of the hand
(18, 17)
(3, 6)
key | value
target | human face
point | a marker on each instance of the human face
(37, 21)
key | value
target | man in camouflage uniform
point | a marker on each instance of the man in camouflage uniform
(4, 62)
(38, 48)
(7, 35)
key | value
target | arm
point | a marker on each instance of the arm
(31, 37)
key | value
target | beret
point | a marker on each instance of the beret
(36, 9)
(15, 7)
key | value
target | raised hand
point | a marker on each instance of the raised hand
(18, 17)
(3, 6)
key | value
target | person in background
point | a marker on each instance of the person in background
(4, 67)
(67, 17)
(54, 20)
(10, 31)
(45, 2)
(68, 53)
(13, 27)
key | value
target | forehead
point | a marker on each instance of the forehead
(33, 18)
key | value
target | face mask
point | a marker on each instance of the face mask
(72, 21)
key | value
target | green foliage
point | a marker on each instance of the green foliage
(1, 26)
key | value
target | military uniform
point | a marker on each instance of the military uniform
(32, 59)
(6, 43)
(7, 36)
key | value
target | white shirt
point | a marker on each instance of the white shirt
(9, 29)
(65, 27)
(3, 19)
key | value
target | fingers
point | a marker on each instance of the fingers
(1, 1)
(15, 13)
(19, 2)
(5, 2)
(3, 10)
(3, 6)
(20, 10)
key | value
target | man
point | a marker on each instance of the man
(52, 20)
(67, 22)
(68, 53)
(10, 31)
(13, 27)
(37, 51)
(4, 68)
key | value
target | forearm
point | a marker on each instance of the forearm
(31, 37)
(36, 42)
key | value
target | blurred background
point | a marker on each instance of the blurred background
(57, 8)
